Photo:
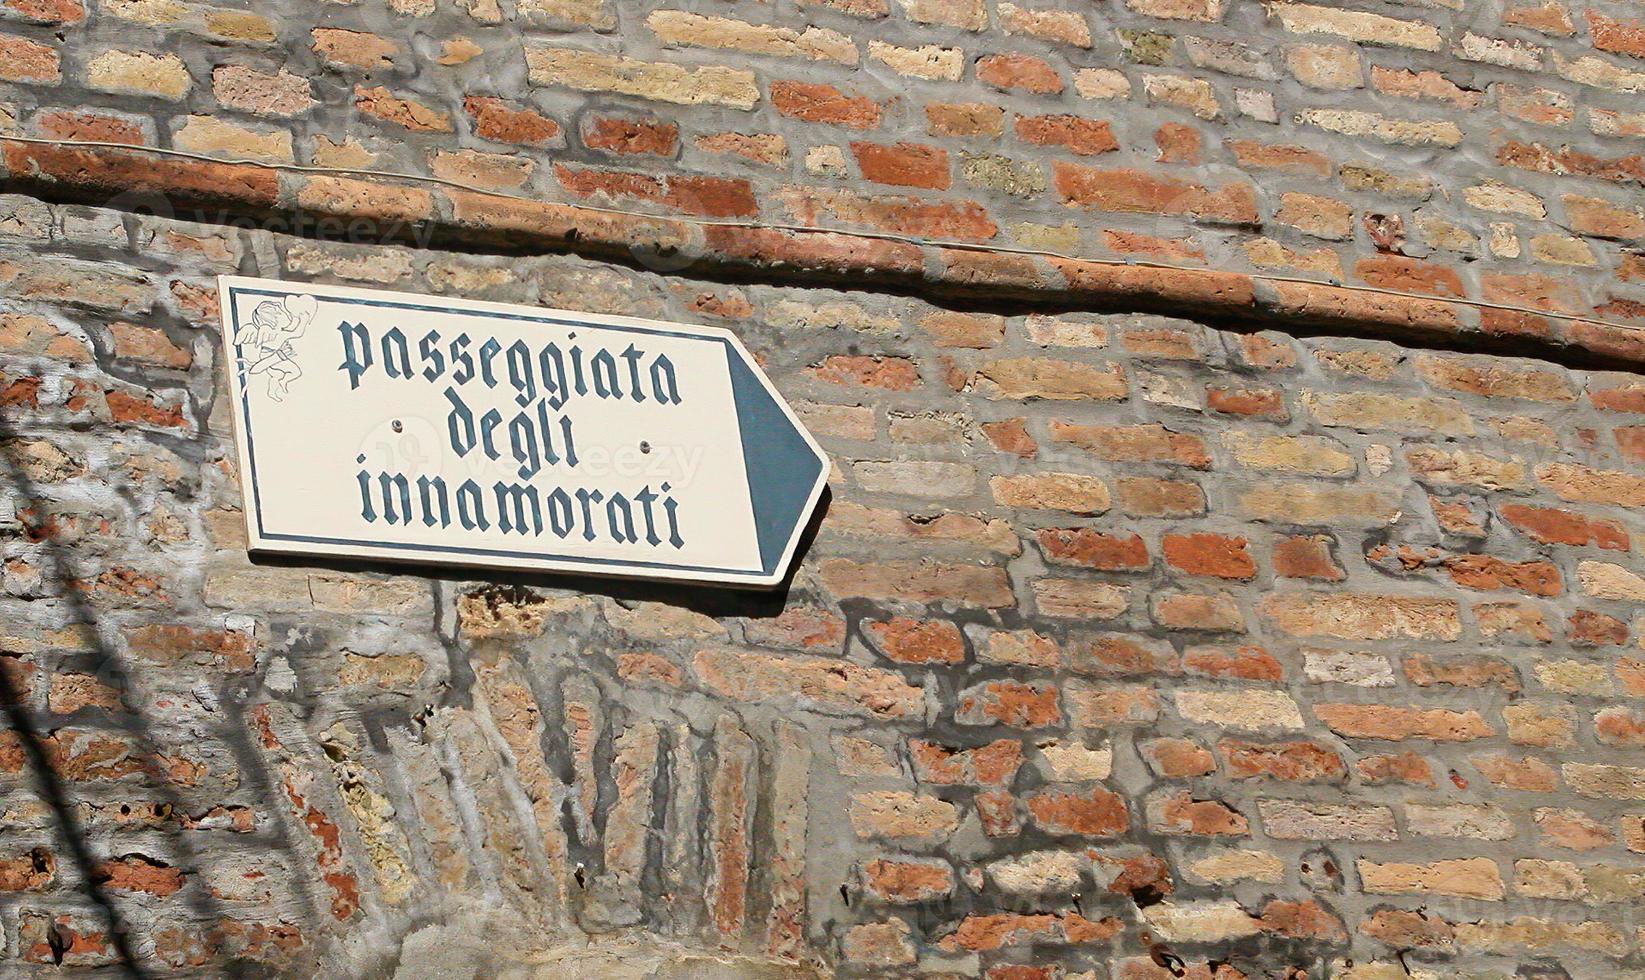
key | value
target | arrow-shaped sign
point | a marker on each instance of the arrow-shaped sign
(412, 428)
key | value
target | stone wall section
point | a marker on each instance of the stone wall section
(1123, 642)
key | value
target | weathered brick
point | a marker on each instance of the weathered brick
(283, 95)
(591, 72)
(1140, 192)
(819, 683)
(1019, 72)
(1477, 878)
(1072, 492)
(919, 641)
(1395, 723)
(1214, 555)
(137, 73)
(1367, 28)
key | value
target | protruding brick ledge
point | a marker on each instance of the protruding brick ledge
(473, 219)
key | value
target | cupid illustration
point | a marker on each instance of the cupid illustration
(265, 342)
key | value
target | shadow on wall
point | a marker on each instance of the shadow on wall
(114, 877)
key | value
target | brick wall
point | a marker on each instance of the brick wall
(1214, 643)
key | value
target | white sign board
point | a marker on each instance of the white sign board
(410, 428)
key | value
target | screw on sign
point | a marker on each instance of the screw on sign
(393, 426)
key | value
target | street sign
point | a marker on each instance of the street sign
(415, 428)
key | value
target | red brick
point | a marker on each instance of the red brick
(1627, 398)
(1302, 920)
(1216, 555)
(1011, 436)
(1216, 612)
(1153, 246)
(1178, 143)
(1296, 762)
(136, 873)
(1572, 829)
(137, 410)
(826, 252)
(1538, 105)
(1427, 85)
(1160, 342)
(649, 668)
(1263, 352)
(1016, 971)
(1456, 517)
(92, 127)
(116, 172)
(1266, 403)
(1178, 758)
(903, 164)
(1019, 72)
(766, 149)
(994, 764)
(176, 645)
(1630, 677)
(1405, 275)
(1119, 655)
(988, 931)
(814, 102)
(1620, 726)
(1094, 549)
(1407, 768)
(1550, 525)
(1091, 813)
(1540, 159)
(1182, 813)
(1587, 628)
(917, 641)
(1109, 282)
(628, 136)
(1395, 723)
(407, 113)
(53, 12)
(496, 120)
(906, 882)
(890, 373)
(1249, 663)
(714, 197)
(1403, 929)
(19, 393)
(65, 940)
(1307, 556)
(1128, 190)
(1489, 572)
(1549, 17)
(1135, 443)
(29, 62)
(1144, 878)
(1010, 703)
(29, 872)
(1323, 302)
(1618, 36)
(1272, 156)
(1086, 137)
